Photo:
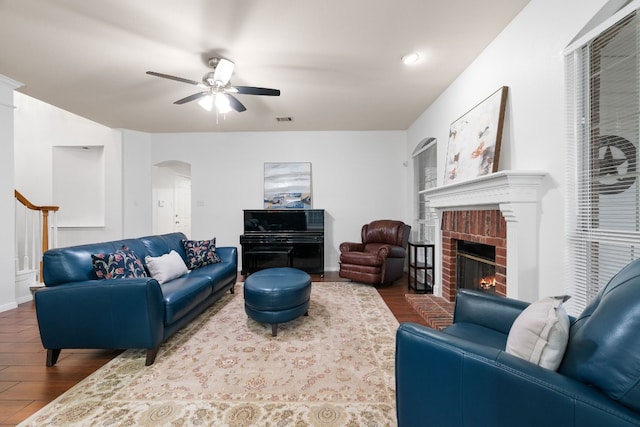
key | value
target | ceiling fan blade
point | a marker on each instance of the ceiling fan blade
(250, 90)
(178, 79)
(192, 97)
(223, 71)
(235, 104)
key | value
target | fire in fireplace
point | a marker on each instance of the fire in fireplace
(475, 266)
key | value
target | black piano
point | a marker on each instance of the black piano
(281, 238)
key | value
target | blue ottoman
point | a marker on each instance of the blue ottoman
(277, 295)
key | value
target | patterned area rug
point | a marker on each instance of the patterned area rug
(332, 368)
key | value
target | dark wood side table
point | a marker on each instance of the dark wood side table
(421, 267)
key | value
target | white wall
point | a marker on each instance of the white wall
(38, 128)
(136, 183)
(528, 57)
(356, 177)
(7, 204)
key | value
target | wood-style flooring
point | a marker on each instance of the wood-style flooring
(26, 384)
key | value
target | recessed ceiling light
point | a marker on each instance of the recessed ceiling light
(410, 58)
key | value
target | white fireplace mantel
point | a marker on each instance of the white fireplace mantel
(517, 195)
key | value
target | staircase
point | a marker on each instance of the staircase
(34, 235)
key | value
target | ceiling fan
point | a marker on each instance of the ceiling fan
(218, 89)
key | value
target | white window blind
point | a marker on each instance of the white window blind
(603, 194)
(425, 176)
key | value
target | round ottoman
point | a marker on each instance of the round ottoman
(277, 295)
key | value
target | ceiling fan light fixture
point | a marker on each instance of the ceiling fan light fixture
(217, 84)
(223, 106)
(206, 102)
(223, 71)
(410, 58)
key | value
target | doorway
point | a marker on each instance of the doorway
(172, 197)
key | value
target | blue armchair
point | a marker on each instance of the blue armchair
(462, 376)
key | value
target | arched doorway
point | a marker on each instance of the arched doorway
(172, 197)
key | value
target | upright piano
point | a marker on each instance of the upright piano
(283, 237)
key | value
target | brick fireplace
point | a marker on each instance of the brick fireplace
(487, 227)
(499, 209)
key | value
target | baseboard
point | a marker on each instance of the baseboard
(8, 307)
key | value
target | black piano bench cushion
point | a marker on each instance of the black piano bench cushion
(200, 252)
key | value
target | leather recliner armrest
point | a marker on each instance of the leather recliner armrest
(396, 252)
(385, 250)
(486, 309)
(351, 247)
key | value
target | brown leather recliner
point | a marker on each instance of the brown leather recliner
(379, 259)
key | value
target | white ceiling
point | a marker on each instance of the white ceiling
(336, 62)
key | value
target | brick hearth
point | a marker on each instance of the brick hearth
(436, 312)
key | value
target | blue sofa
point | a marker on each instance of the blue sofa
(463, 377)
(77, 310)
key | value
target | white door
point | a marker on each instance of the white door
(182, 204)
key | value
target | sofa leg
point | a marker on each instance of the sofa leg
(151, 356)
(274, 329)
(232, 289)
(52, 356)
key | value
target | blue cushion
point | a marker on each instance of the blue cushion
(163, 244)
(183, 294)
(603, 348)
(220, 273)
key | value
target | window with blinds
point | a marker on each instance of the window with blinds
(425, 176)
(603, 193)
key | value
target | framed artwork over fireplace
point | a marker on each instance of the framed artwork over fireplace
(475, 138)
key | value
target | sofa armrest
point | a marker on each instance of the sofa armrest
(113, 313)
(486, 309)
(351, 247)
(228, 254)
(445, 380)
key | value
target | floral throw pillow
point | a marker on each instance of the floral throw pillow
(200, 252)
(121, 264)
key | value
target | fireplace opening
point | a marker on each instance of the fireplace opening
(475, 266)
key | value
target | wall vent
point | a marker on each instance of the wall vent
(284, 119)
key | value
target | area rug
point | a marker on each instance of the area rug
(334, 367)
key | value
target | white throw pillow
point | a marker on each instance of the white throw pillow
(166, 267)
(540, 333)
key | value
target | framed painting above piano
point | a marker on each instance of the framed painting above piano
(283, 237)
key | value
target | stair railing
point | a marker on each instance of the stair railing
(32, 222)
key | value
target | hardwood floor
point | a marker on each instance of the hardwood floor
(27, 385)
